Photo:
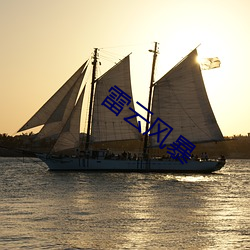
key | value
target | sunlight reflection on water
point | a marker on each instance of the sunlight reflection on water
(194, 178)
(58, 210)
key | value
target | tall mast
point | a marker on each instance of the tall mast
(91, 100)
(145, 147)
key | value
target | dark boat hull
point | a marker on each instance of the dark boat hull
(81, 164)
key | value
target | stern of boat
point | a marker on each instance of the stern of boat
(220, 164)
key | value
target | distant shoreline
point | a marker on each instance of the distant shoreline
(4, 152)
(13, 153)
(231, 148)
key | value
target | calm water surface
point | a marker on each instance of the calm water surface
(40, 209)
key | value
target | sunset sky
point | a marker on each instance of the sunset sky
(44, 42)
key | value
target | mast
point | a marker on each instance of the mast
(145, 146)
(91, 100)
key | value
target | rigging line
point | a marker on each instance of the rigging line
(99, 71)
(107, 56)
(110, 53)
(109, 59)
(116, 56)
(125, 45)
(85, 121)
(112, 58)
(111, 68)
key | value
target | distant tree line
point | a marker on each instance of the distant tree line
(23, 142)
(237, 147)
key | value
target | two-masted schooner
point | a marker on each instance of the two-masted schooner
(178, 98)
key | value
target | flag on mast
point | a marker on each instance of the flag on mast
(210, 63)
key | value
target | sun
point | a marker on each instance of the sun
(198, 60)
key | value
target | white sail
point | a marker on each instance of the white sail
(69, 136)
(61, 114)
(106, 125)
(45, 112)
(181, 101)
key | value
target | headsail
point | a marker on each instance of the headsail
(69, 136)
(106, 126)
(45, 112)
(61, 114)
(180, 100)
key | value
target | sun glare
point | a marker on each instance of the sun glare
(198, 59)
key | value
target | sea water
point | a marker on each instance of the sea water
(40, 209)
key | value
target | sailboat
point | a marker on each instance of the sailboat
(178, 99)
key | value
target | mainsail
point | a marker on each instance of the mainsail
(180, 100)
(69, 136)
(45, 112)
(106, 126)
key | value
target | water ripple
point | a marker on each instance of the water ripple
(40, 209)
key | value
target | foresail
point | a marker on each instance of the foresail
(69, 136)
(106, 126)
(180, 100)
(61, 114)
(45, 112)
